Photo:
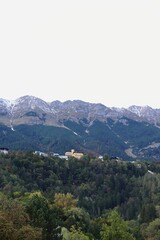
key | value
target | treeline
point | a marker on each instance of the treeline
(50, 198)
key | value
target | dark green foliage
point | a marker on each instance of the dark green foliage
(48, 138)
(37, 209)
(139, 135)
(109, 138)
(116, 228)
(78, 218)
(98, 185)
(38, 137)
(148, 213)
(30, 182)
(45, 217)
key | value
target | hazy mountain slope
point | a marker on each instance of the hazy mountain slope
(33, 124)
(38, 137)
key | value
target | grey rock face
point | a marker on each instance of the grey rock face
(33, 110)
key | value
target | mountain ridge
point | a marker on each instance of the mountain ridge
(52, 113)
(30, 123)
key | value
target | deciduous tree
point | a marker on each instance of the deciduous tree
(116, 229)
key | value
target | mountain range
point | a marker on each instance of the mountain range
(29, 123)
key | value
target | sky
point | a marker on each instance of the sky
(98, 51)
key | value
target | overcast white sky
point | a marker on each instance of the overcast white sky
(105, 51)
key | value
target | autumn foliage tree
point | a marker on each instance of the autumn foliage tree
(65, 201)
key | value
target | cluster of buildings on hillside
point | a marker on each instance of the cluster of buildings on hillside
(72, 153)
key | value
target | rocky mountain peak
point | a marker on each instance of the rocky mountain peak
(32, 110)
(146, 113)
(92, 126)
(140, 110)
(31, 102)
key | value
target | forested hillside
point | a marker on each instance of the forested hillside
(50, 198)
(31, 124)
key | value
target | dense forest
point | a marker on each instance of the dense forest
(46, 198)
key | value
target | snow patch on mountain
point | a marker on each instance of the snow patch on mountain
(77, 110)
(75, 133)
(5, 103)
(87, 131)
(136, 109)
